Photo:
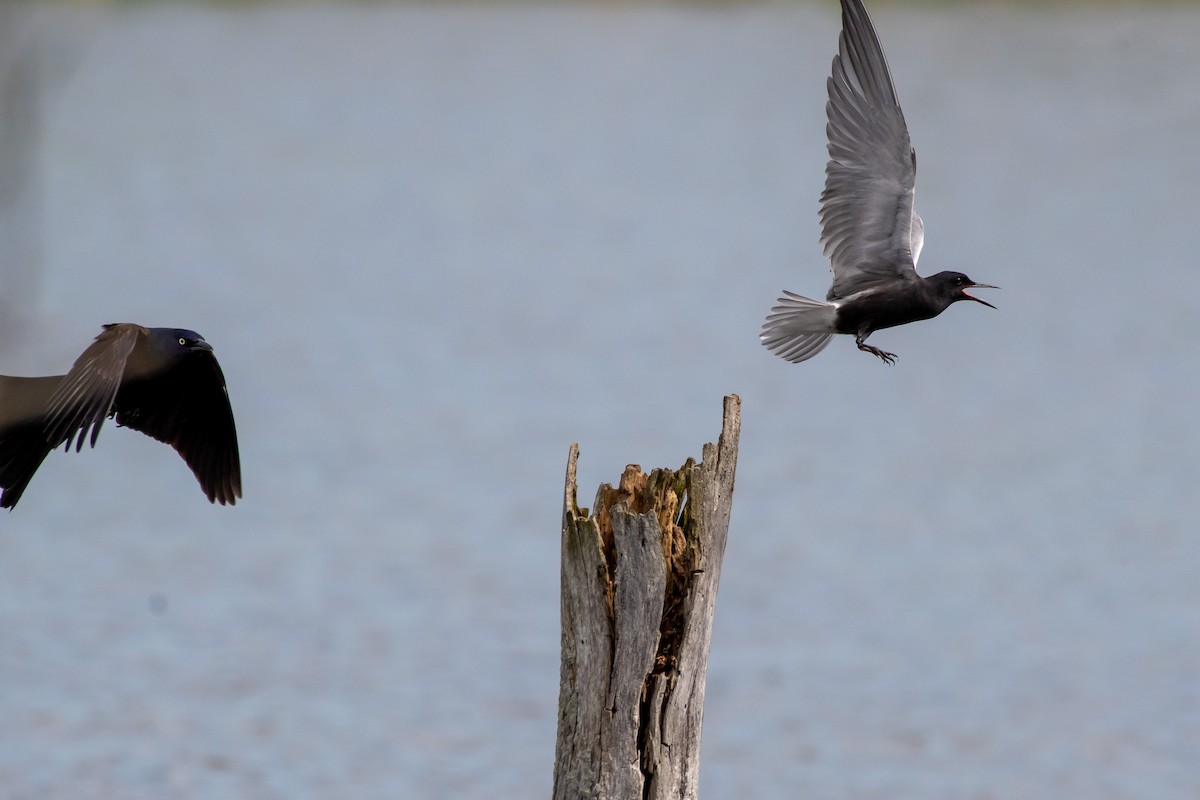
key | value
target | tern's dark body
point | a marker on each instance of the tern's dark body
(901, 302)
(871, 232)
(164, 382)
(887, 307)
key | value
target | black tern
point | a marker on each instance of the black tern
(164, 382)
(869, 228)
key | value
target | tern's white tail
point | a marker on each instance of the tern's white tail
(798, 328)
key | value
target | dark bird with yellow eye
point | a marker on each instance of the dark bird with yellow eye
(164, 382)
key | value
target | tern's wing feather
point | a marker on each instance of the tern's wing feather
(917, 237)
(869, 228)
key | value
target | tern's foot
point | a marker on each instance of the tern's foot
(888, 358)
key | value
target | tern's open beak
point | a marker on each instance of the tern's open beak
(979, 286)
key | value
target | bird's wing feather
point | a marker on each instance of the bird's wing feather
(85, 396)
(917, 237)
(187, 407)
(23, 443)
(869, 228)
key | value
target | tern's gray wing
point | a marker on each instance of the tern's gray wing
(867, 218)
(85, 396)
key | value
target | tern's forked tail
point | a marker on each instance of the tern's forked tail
(798, 328)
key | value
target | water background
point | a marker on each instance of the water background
(434, 245)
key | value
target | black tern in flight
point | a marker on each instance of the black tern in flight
(870, 230)
(164, 382)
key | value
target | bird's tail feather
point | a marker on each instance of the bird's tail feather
(798, 328)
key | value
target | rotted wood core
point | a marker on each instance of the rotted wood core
(664, 494)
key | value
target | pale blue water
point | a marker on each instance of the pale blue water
(433, 246)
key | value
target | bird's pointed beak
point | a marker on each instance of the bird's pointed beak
(979, 286)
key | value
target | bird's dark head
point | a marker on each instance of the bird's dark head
(177, 341)
(950, 287)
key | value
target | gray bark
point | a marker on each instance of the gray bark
(639, 587)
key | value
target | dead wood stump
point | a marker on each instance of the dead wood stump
(639, 587)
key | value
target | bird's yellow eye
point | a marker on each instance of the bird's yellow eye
(183, 341)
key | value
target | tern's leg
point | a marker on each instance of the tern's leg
(860, 340)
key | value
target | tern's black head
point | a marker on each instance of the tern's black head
(950, 287)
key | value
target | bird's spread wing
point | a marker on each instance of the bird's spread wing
(23, 443)
(869, 229)
(86, 394)
(187, 407)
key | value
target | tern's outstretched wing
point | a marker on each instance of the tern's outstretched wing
(869, 228)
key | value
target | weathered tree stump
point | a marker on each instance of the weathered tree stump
(639, 586)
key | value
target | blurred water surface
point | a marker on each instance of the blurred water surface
(433, 245)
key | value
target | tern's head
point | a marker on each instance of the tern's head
(950, 287)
